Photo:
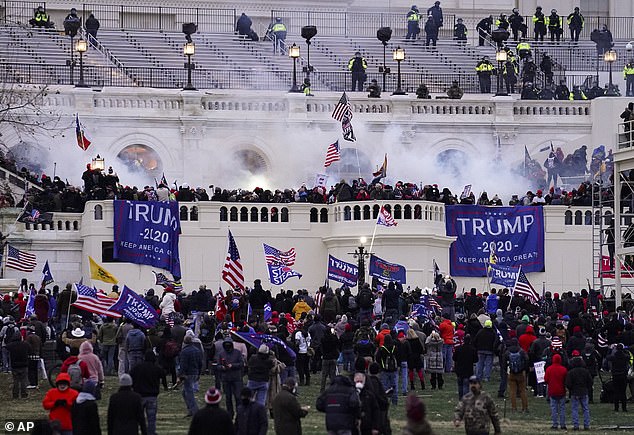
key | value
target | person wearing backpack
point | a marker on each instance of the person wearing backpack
(386, 357)
(76, 369)
(6, 335)
(517, 363)
(365, 302)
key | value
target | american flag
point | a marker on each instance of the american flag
(343, 108)
(275, 256)
(20, 260)
(232, 272)
(385, 218)
(332, 154)
(95, 301)
(524, 288)
(346, 127)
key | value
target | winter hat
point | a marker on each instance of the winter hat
(525, 318)
(384, 326)
(556, 343)
(575, 353)
(125, 380)
(415, 408)
(498, 313)
(264, 349)
(488, 324)
(213, 396)
(89, 387)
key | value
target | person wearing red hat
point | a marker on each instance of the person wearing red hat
(211, 416)
(538, 199)
(59, 401)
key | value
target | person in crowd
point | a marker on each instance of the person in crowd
(577, 94)
(93, 363)
(465, 356)
(485, 342)
(59, 402)
(251, 418)
(517, 361)
(484, 69)
(72, 23)
(287, 412)
(107, 339)
(555, 378)
(189, 373)
(447, 332)
(539, 21)
(431, 31)
(455, 92)
(578, 383)
(436, 13)
(484, 29)
(387, 359)
(413, 23)
(77, 370)
(122, 332)
(146, 380)
(415, 360)
(478, 411)
(19, 351)
(243, 25)
(92, 27)
(357, 66)
(85, 412)
(416, 414)
(212, 416)
(620, 362)
(259, 368)
(575, 23)
(340, 402)
(135, 344)
(516, 21)
(369, 412)
(628, 75)
(460, 31)
(434, 360)
(35, 350)
(374, 90)
(555, 25)
(125, 410)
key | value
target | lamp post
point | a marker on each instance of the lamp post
(189, 49)
(308, 32)
(81, 46)
(71, 63)
(610, 57)
(293, 53)
(98, 163)
(384, 34)
(398, 55)
(360, 254)
(501, 57)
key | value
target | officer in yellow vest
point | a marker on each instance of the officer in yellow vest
(41, 19)
(278, 30)
(539, 20)
(413, 23)
(357, 66)
(523, 49)
(484, 69)
(628, 74)
(555, 25)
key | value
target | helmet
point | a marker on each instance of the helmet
(515, 11)
(414, 7)
(553, 11)
(539, 8)
(278, 19)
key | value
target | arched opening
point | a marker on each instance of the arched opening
(264, 214)
(98, 212)
(250, 160)
(284, 214)
(451, 162)
(357, 213)
(375, 211)
(314, 215)
(397, 212)
(407, 212)
(588, 218)
(233, 214)
(347, 213)
(578, 217)
(254, 214)
(568, 217)
(366, 213)
(184, 213)
(244, 214)
(193, 214)
(223, 214)
(323, 215)
(275, 217)
(418, 212)
(141, 159)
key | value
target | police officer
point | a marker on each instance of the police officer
(510, 72)
(561, 91)
(577, 94)
(431, 31)
(523, 49)
(575, 24)
(529, 92)
(539, 20)
(502, 22)
(628, 75)
(460, 32)
(484, 69)
(484, 29)
(357, 66)
(41, 19)
(305, 88)
(413, 23)
(436, 12)
(374, 89)
(278, 29)
(529, 70)
(546, 65)
(555, 24)
(516, 21)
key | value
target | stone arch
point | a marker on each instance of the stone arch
(169, 156)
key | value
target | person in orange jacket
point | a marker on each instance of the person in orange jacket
(59, 401)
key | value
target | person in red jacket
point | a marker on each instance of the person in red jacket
(527, 338)
(446, 329)
(21, 303)
(59, 401)
(555, 378)
(72, 359)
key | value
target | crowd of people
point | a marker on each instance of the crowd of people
(367, 350)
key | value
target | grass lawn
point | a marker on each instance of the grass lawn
(440, 406)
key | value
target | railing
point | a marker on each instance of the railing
(18, 11)
(621, 27)
(625, 135)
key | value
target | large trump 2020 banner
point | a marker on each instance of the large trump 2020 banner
(147, 232)
(516, 235)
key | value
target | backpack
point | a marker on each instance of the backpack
(516, 363)
(8, 334)
(170, 350)
(74, 372)
(352, 303)
(390, 362)
(365, 300)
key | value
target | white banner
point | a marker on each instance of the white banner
(540, 371)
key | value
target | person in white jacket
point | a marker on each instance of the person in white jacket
(167, 304)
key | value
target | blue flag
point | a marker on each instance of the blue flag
(47, 276)
(268, 310)
(147, 232)
(387, 271)
(136, 308)
(503, 275)
(340, 271)
(30, 306)
(278, 273)
(257, 340)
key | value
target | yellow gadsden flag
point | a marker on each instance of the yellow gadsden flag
(99, 273)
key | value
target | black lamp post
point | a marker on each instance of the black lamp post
(71, 62)
(360, 254)
(293, 53)
(501, 57)
(610, 57)
(189, 49)
(307, 33)
(399, 56)
(384, 34)
(81, 46)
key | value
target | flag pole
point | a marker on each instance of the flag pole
(70, 301)
(374, 232)
(356, 151)
(4, 259)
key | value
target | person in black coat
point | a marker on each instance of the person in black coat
(243, 25)
(619, 362)
(211, 416)
(370, 417)
(464, 357)
(146, 380)
(251, 418)
(84, 412)
(92, 26)
(431, 31)
(340, 401)
(125, 410)
(472, 303)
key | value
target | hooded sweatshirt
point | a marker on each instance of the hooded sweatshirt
(555, 377)
(527, 338)
(92, 361)
(60, 413)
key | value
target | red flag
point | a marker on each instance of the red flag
(221, 308)
(82, 140)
